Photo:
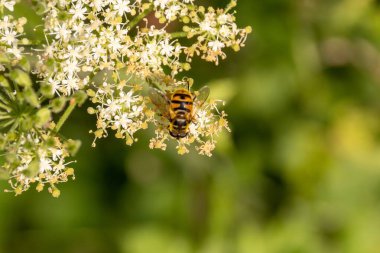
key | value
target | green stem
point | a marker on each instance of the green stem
(29, 45)
(231, 5)
(142, 15)
(65, 115)
(176, 35)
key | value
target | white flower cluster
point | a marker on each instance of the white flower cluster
(122, 112)
(87, 38)
(30, 150)
(10, 31)
(170, 10)
(35, 157)
(110, 51)
(216, 30)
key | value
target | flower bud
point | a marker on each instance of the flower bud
(33, 168)
(186, 66)
(43, 116)
(26, 124)
(47, 90)
(31, 97)
(11, 136)
(91, 93)
(11, 158)
(232, 4)
(236, 47)
(119, 135)
(40, 187)
(20, 77)
(18, 190)
(186, 28)
(3, 81)
(55, 192)
(24, 64)
(58, 104)
(4, 59)
(69, 171)
(186, 19)
(51, 142)
(73, 146)
(80, 97)
(128, 140)
(91, 110)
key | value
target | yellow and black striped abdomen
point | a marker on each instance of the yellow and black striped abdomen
(182, 102)
(181, 110)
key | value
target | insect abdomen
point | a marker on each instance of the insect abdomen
(181, 107)
(182, 100)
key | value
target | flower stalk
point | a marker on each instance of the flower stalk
(65, 115)
(141, 16)
(176, 35)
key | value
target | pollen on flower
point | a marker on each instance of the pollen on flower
(182, 149)
(39, 187)
(69, 172)
(55, 192)
(159, 141)
(206, 148)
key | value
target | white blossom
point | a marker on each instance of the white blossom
(7, 4)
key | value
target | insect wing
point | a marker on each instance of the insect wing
(159, 80)
(159, 99)
(203, 94)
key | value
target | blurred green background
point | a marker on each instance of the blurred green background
(299, 173)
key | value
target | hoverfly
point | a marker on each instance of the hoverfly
(179, 107)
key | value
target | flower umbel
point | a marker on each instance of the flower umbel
(109, 51)
(120, 107)
(31, 150)
(105, 38)
(35, 157)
